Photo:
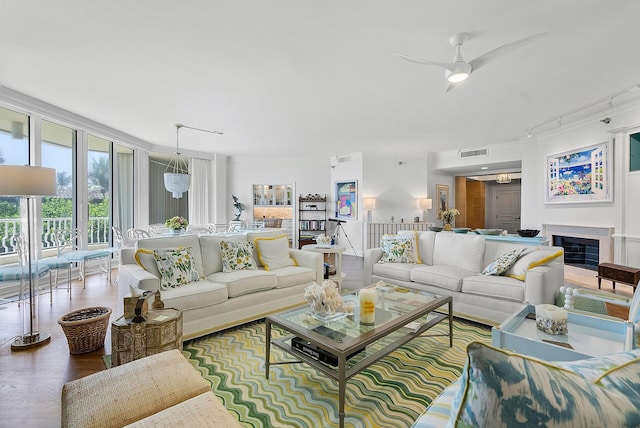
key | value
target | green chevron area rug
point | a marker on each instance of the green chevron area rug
(390, 393)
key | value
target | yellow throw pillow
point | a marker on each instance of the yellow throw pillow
(273, 253)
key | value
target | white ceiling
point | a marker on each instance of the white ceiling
(316, 77)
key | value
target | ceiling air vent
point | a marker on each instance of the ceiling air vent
(472, 153)
(344, 159)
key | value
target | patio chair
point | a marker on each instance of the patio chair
(55, 264)
(69, 245)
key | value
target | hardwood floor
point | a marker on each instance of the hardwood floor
(31, 380)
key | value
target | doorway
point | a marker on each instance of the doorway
(504, 207)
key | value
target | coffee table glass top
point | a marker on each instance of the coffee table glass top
(391, 307)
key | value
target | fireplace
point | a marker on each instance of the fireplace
(586, 246)
(579, 252)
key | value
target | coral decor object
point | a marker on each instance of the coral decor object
(324, 299)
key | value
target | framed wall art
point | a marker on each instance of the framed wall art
(347, 199)
(442, 191)
(580, 176)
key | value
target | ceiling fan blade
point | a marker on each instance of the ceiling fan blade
(495, 53)
(444, 65)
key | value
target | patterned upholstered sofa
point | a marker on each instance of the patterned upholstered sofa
(501, 388)
(221, 290)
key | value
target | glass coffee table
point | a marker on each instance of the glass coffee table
(341, 347)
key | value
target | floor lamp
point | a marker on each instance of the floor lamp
(28, 182)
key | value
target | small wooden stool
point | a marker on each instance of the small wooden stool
(617, 273)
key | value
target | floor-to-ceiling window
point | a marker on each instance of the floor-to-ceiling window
(14, 150)
(99, 190)
(58, 145)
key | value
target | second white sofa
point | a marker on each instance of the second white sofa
(451, 265)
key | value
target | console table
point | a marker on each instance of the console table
(161, 331)
(618, 273)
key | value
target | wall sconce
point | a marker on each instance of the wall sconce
(424, 204)
(369, 205)
(503, 178)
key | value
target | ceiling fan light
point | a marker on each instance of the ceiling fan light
(457, 77)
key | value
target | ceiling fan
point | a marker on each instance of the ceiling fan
(459, 70)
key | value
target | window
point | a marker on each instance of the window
(99, 190)
(634, 152)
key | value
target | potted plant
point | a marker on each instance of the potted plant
(448, 217)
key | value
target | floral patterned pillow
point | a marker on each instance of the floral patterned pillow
(503, 263)
(397, 249)
(237, 256)
(176, 266)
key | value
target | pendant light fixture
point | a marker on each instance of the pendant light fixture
(176, 175)
(503, 178)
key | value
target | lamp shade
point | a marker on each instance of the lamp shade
(24, 180)
(425, 204)
(369, 203)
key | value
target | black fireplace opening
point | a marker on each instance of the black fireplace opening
(579, 252)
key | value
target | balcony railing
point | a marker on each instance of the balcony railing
(98, 231)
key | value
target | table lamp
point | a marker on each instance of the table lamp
(28, 182)
(369, 205)
(424, 204)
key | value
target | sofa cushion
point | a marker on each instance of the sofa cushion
(498, 287)
(273, 252)
(245, 281)
(426, 242)
(290, 276)
(537, 257)
(399, 271)
(503, 263)
(397, 249)
(199, 294)
(459, 250)
(440, 276)
(237, 256)
(501, 388)
(176, 266)
(624, 379)
(210, 247)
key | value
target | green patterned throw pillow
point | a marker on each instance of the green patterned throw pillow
(397, 249)
(237, 256)
(503, 263)
(176, 266)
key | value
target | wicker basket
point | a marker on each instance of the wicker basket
(85, 328)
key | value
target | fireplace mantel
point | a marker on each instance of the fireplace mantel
(602, 233)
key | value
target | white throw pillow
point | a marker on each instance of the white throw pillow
(531, 260)
(273, 253)
(503, 263)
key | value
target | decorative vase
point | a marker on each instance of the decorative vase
(176, 231)
(447, 226)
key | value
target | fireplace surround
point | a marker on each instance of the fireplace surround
(603, 236)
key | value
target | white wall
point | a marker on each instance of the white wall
(308, 175)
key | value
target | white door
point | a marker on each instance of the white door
(506, 208)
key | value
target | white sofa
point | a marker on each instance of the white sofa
(451, 265)
(221, 299)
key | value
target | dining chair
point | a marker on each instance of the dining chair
(56, 264)
(17, 272)
(69, 246)
(157, 229)
(137, 234)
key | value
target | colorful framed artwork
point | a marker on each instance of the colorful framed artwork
(347, 199)
(580, 176)
(442, 191)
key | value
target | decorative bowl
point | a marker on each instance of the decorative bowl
(527, 233)
(461, 229)
(434, 228)
(488, 231)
